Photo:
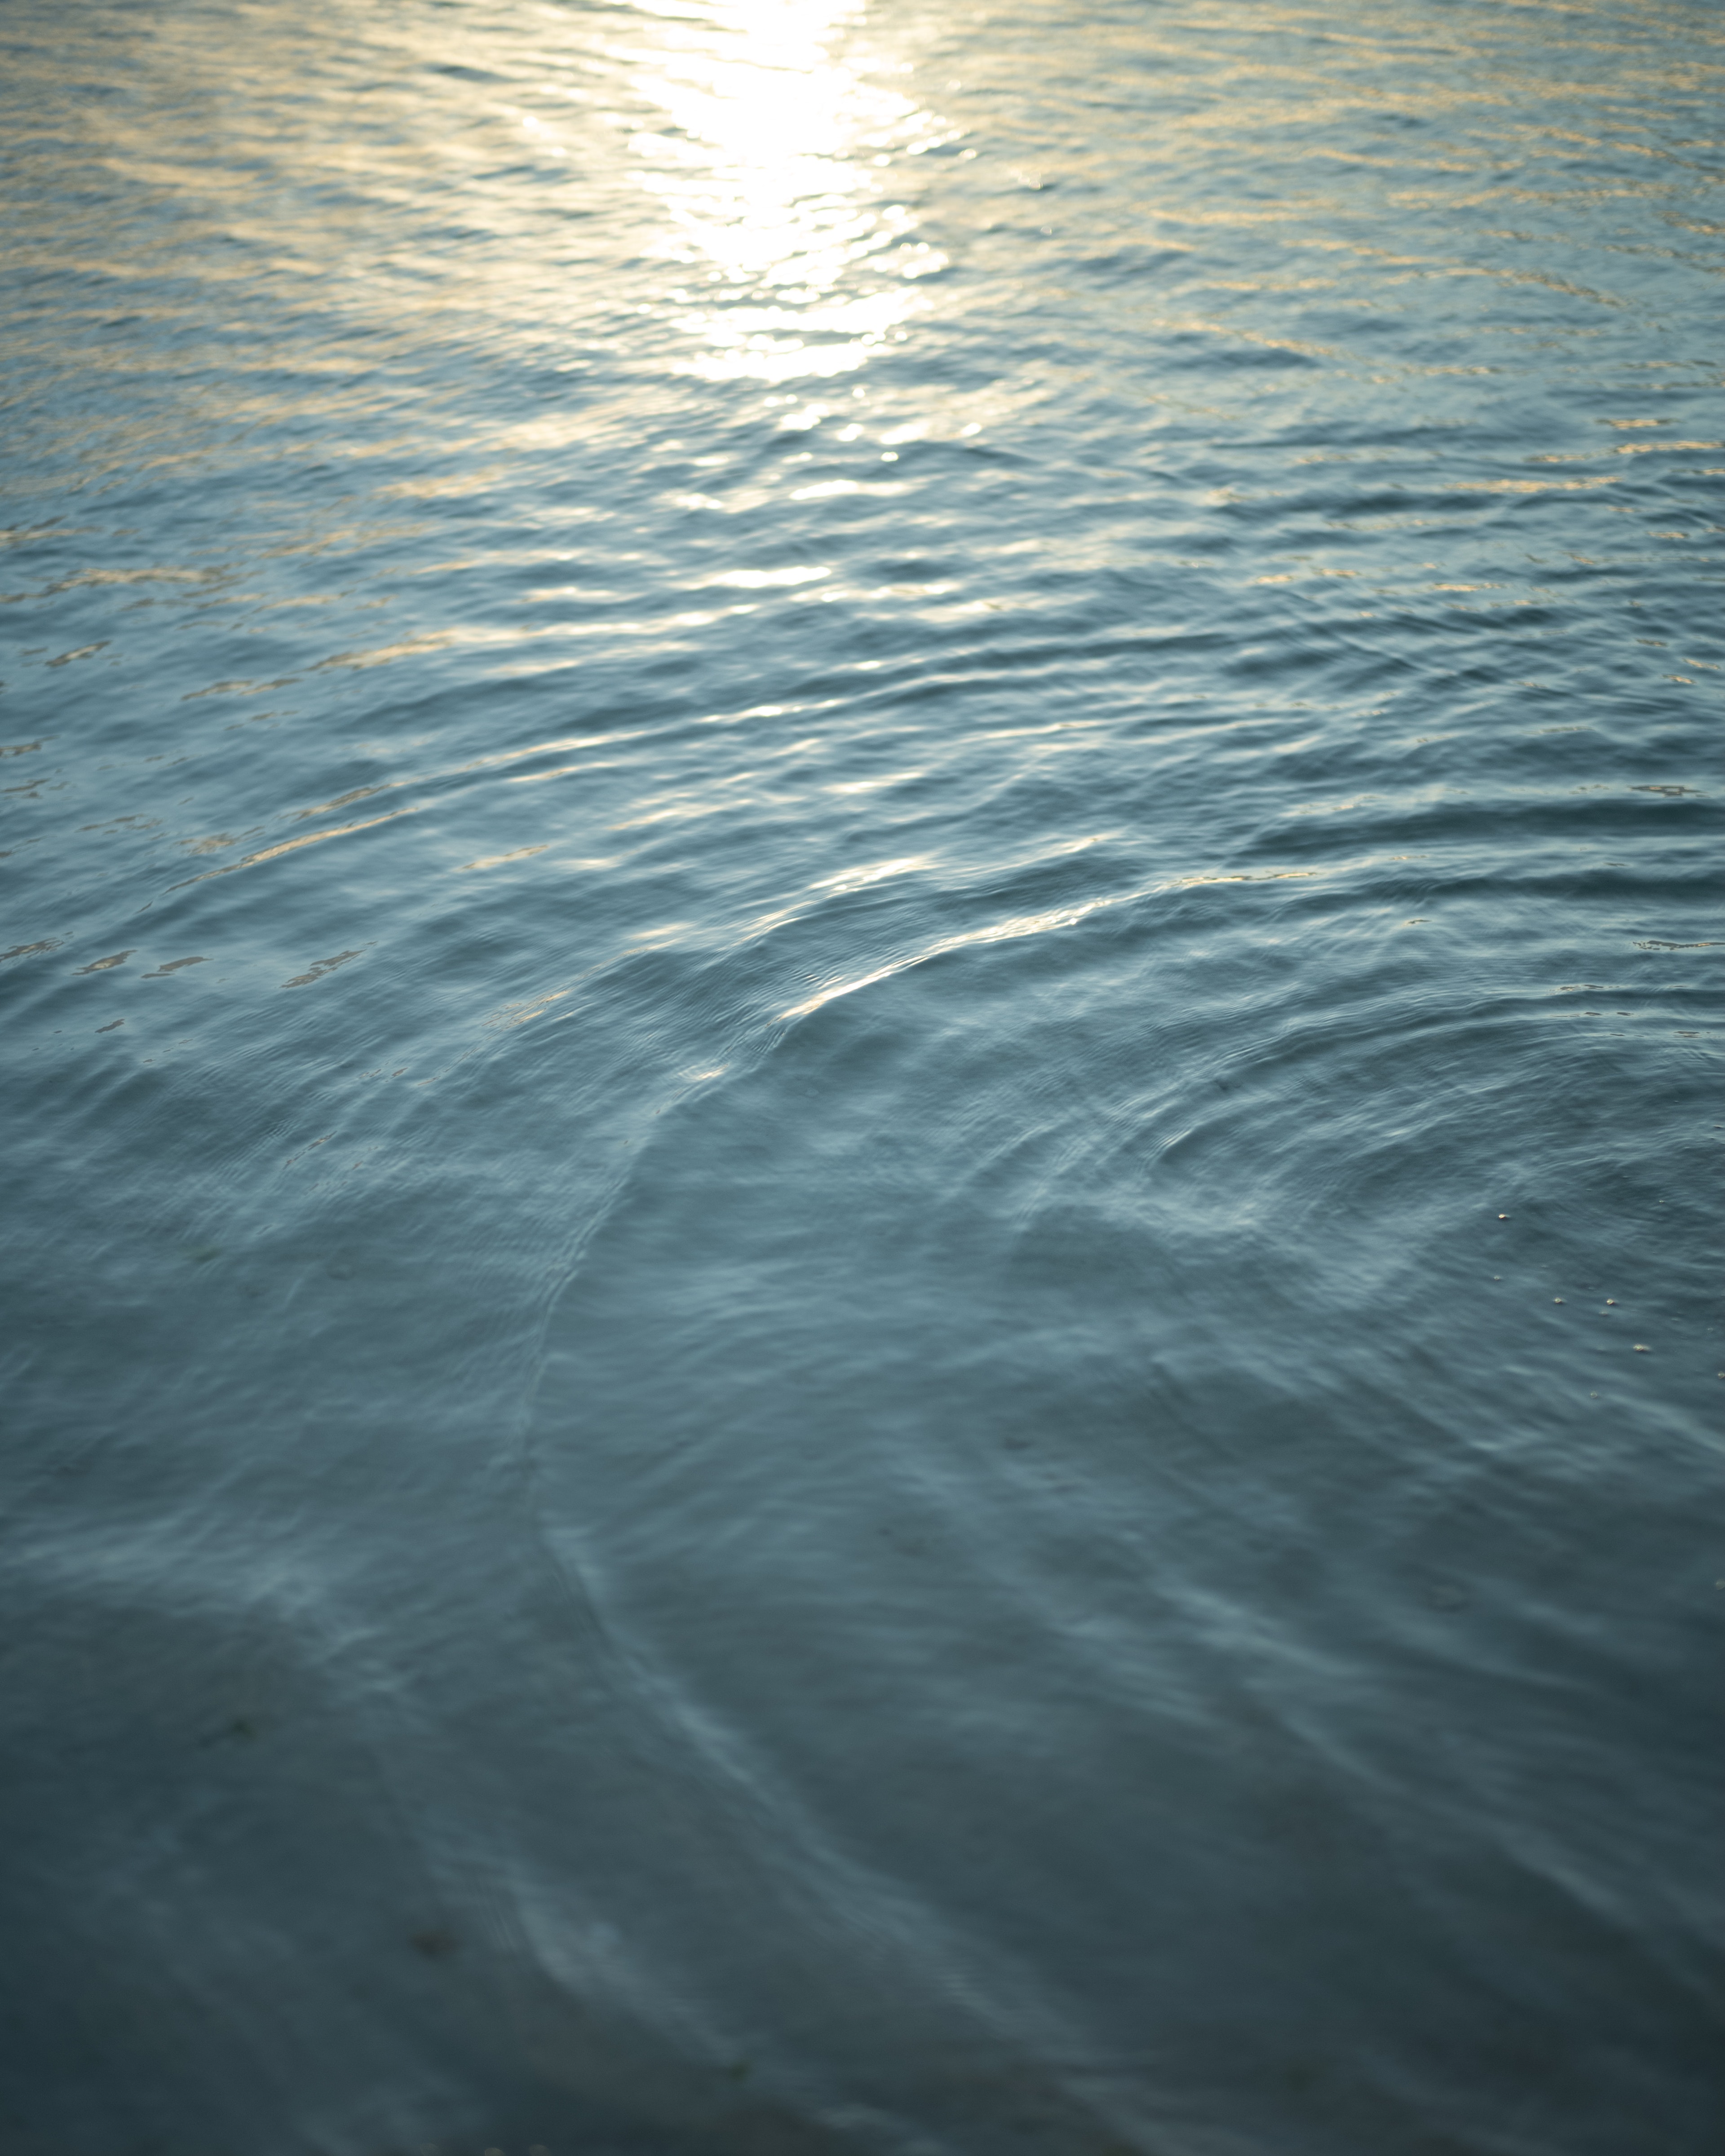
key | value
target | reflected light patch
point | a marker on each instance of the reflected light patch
(760, 580)
(769, 166)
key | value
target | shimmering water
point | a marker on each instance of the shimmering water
(859, 939)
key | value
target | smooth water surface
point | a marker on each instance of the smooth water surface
(861, 1020)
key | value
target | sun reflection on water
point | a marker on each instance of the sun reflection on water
(773, 164)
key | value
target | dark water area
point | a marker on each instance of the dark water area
(861, 1014)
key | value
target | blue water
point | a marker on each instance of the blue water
(862, 1016)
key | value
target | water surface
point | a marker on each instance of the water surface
(861, 1011)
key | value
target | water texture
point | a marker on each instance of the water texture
(861, 1008)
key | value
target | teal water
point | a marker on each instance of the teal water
(860, 1006)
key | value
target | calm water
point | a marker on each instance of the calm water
(861, 965)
